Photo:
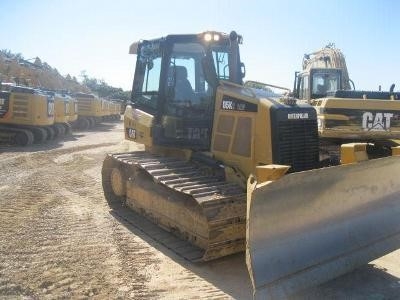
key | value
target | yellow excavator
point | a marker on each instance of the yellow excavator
(26, 115)
(345, 114)
(62, 113)
(228, 168)
(93, 110)
(115, 109)
(90, 110)
(111, 110)
(72, 108)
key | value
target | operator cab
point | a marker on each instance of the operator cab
(317, 83)
(176, 79)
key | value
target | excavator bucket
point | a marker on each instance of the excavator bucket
(309, 227)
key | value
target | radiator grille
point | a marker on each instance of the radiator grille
(20, 106)
(297, 144)
(4, 104)
(84, 105)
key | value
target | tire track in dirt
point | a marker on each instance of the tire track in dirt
(58, 239)
(62, 241)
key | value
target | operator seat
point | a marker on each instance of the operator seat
(183, 88)
(321, 89)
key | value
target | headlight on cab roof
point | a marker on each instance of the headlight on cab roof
(211, 36)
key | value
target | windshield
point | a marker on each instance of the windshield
(184, 79)
(325, 82)
(185, 73)
(185, 65)
(186, 83)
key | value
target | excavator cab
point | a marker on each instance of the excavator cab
(323, 73)
(344, 115)
(175, 81)
(317, 83)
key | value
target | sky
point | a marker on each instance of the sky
(94, 36)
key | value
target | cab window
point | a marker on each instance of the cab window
(186, 84)
(147, 78)
(221, 64)
(304, 92)
(324, 83)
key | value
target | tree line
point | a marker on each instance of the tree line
(37, 69)
(104, 90)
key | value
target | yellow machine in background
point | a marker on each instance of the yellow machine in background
(346, 115)
(105, 109)
(73, 109)
(228, 168)
(90, 110)
(111, 110)
(26, 115)
(63, 114)
(93, 110)
(115, 109)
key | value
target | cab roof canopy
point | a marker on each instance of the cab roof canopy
(205, 37)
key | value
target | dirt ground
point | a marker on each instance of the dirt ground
(58, 238)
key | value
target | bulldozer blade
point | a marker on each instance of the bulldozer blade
(309, 227)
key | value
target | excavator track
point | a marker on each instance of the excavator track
(183, 197)
(17, 136)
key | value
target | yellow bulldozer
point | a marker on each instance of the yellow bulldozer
(26, 115)
(345, 114)
(227, 169)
